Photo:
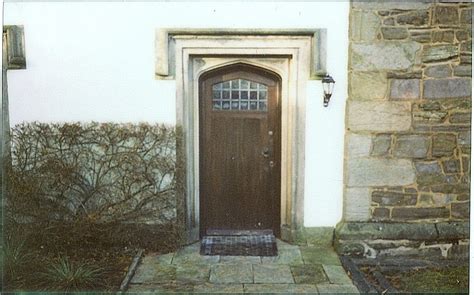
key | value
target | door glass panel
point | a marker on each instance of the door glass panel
(245, 95)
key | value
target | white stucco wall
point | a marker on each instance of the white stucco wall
(95, 61)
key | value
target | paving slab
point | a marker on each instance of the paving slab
(286, 255)
(280, 288)
(337, 275)
(219, 288)
(190, 255)
(316, 255)
(158, 258)
(309, 274)
(169, 287)
(272, 273)
(154, 273)
(337, 289)
(192, 273)
(240, 259)
(231, 273)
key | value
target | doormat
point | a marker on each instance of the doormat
(239, 245)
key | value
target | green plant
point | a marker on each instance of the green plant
(64, 275)
(15, 260)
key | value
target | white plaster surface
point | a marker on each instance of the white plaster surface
(95, 61)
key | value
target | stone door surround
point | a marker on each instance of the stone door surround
(296, 56)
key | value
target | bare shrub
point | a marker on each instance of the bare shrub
(101, 173)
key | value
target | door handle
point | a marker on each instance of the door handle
(266, 152)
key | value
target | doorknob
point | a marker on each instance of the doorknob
(266, 152)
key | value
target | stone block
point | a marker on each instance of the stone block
(231, 273)
(367, 85)
(463, 35)
(447, 88)
(384, 55)
(463, 70)
(464, 138)
(465, 58)
(446, 15)
(428, 173)
(460, 210)
(280, 288)
(358, 145)
(411, 146)
(389, 21)
(451, 188)
(443, 36)
(463, 118)
(337, 289)
(434, 53)
(272, 274)
(393, 198)
(443, 145)
(419, 213)
(337, 275)
(415, 18)
(357, 204)
(451, 166)
(466, 164)
(379, 116)
(394, 33)
(453, 230)
(381, 145)
(422, 36)
(308, 274)
(438, 71)
(365, 25)
(379, 172)
(402, 89)
(466, 46)
(386, 231)
(381, 214)
(466, 16)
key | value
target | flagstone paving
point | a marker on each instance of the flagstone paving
(296, 269)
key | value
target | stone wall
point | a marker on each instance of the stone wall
(408, 115)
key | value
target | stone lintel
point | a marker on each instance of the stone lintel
(164, 37)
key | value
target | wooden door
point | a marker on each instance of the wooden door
(239, 145)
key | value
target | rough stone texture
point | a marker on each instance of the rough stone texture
(445, 15)
(357, 204)
(272, 274)
(229, 273)
(364, 26)
(379, 214)
(309, 274)
(417, 18)
(447, 88)
(379, 172)
(460, 210)
(446, 36)
(411, 146)
(386, 55)
(463, 118)
(367, 85)
(358, 145)
(443, 145)
(463, 71)
(438, 71)
(402, 89)
(439, 53)
(417, 213)
(381, 145)
(422, 36)
(451, 166)
(336, 275)
(394, 33)
(393, 198)
(366, 116)
(422, 116)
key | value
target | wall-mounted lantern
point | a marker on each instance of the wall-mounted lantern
(328, 86)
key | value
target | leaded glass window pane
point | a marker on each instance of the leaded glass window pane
(239, 94)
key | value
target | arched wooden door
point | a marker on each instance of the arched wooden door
(239, 141)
